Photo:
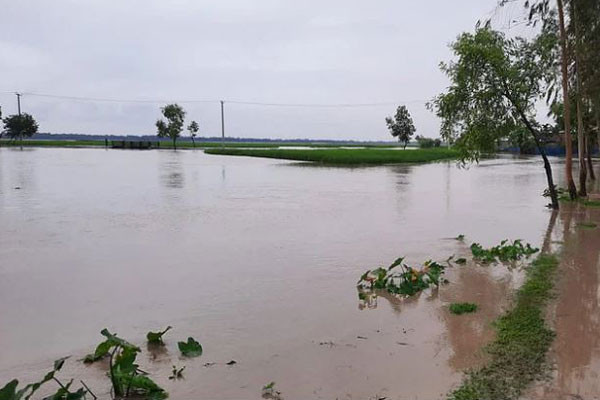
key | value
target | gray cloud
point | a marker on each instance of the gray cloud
(267, 51)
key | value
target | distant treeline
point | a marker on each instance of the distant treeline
(154, 138)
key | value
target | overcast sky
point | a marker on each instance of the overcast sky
(268, 51)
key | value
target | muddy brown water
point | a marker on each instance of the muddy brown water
(575, 313)
(258, 260)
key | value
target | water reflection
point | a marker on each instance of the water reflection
(171, 170)
(577, 345)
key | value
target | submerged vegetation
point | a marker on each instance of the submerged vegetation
(345, 156)
(11, 392)
(517, 356)
(191, 348)
(406, 281)
(504, 252)
(156, 337)
(462, 308)
(127, 379)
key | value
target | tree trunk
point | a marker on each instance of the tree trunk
(547, 167)
(567, 104)
(174, 143)
(589, 150)
(193, 142)
(581, 149)
(581, 141)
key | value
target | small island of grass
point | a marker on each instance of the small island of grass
(345, 156)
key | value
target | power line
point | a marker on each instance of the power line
(240, 102)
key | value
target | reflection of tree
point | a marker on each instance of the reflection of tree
(468, 334)
(577, 343)
(172, 175)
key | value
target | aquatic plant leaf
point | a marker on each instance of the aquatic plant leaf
(191, 348)
(117, 341)
(9, 391)
(461, 260)
(156, 337)
(363, 277)
(396, 263)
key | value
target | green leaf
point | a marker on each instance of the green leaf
(156, 337)
(191, 348)
(117, 341)
(9, 391)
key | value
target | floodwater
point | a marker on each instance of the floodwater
(575, 356)
(258, 260)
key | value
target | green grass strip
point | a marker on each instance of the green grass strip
(345, 156)
(462, 308)
(518, 355)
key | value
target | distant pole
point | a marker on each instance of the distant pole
(222, 124)
(18, 102)
(19, 108)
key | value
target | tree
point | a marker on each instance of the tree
(193, 129)
(19, 126)
(495, 83)
(401, 126)
(175, 116)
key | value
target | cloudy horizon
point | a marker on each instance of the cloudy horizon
(292, 53)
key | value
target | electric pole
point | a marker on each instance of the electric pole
(19, 108)
(18, 102)
(222, 125)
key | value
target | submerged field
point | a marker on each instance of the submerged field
(261, 268)
(345, 156)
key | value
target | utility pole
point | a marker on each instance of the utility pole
(18, 102)
(222, 125)
(19, 108)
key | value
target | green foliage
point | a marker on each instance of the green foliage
(504, 252)
(587, 225)
(126, 378)
(427, 143)
(517, 356)
(269, 392)
(406, 281)
(345, 156)
(19, 126)
(401, 126)
(175, 116)
(495, 84)
(461, 261)
(156, 337)
(191, 348)
(462, 308)
(460, 238)
(10, 392)
(592, 203)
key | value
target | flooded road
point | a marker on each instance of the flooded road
(575, 315)
(258, 260)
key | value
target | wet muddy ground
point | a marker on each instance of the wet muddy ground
(258, 260)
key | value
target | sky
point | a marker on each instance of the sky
(142, 54)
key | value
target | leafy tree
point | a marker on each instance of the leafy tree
(427, 143)
(193, 128)
(495, 83)
(19, 126)
(175, 116)
(401, 126)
